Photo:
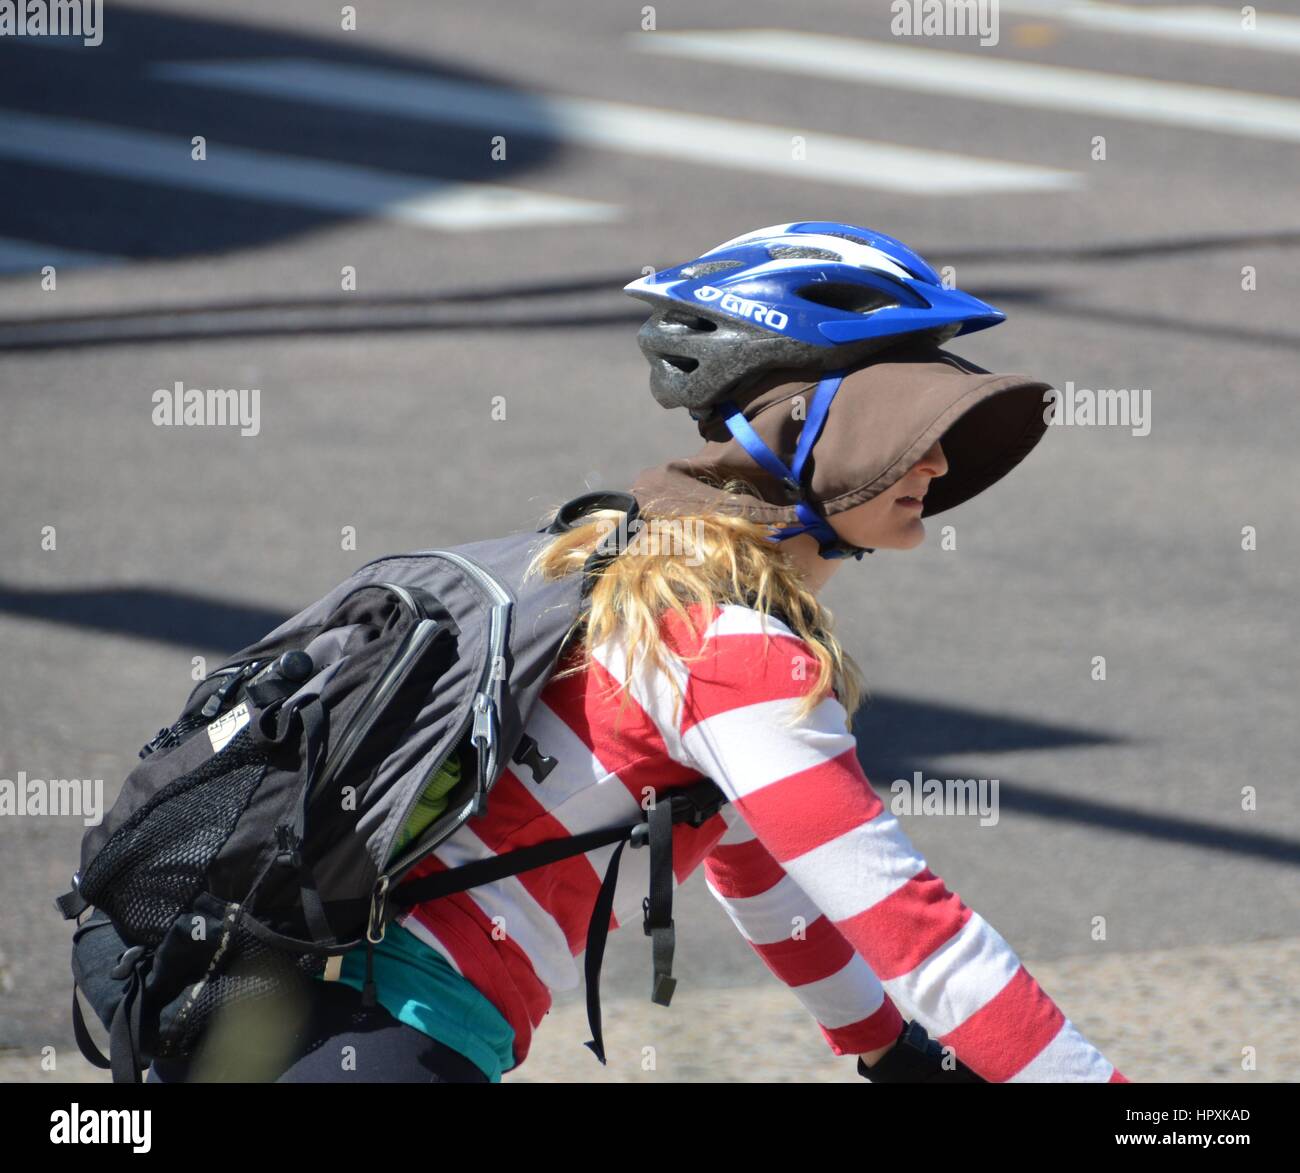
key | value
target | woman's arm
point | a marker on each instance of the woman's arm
(794, 939)
(804, 794)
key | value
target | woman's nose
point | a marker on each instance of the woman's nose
(933, 462)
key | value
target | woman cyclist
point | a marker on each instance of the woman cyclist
(809, 355)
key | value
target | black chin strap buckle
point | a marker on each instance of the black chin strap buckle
(843, 549)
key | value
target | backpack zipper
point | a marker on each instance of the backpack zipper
(184, 725)
(413, 646)
(480, 719)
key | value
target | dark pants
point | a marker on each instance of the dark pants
(337, 1041)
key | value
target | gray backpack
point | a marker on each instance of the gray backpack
(252, 843)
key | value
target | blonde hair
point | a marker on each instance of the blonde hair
(731, 560)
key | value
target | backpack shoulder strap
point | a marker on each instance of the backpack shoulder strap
(694, 804)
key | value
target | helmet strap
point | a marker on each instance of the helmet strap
(813, 520)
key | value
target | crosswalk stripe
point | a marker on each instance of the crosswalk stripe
(263, 175)
(29, 256)
(619, 126)
(1273, 32)
(981, 78)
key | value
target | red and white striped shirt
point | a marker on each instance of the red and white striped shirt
(812, 868)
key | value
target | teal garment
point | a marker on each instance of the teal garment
(419, 987)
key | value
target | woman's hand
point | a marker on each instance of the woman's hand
(871, 1058)
(914, 1057)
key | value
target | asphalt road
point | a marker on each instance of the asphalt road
(481, 281)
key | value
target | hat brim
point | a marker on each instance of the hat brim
(886, 414)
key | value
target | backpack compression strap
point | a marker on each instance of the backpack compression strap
(694, 804)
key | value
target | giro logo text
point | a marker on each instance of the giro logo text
(742, 307)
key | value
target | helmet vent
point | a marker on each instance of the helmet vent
(705, 268)
(680, 362)
(688, 321)
(795, 252)
(839, 295)
(849, 236)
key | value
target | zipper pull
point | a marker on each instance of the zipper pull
(481, 737)
(482, 730)
(378, 899)
(212, 706)
(369, 994)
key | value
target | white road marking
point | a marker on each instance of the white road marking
(620, 126)
(30, 256)
(1192, 22)
(264, 175)
(981, 77)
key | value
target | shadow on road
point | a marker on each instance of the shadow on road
(903, 735)
(190, 621)
(58, 196)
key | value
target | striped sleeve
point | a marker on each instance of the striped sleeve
(800, 788)
(799, 944)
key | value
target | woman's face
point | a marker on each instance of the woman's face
(892, 521)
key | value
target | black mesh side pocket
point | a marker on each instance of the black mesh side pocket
(155, 864)
(252, 992)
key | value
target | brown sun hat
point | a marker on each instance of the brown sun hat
(886, 414)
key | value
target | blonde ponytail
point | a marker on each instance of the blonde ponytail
(675, 561)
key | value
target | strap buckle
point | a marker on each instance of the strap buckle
(647, 924)
(688, 807)
(127, 961)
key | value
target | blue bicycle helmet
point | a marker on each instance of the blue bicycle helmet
(812, 294)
